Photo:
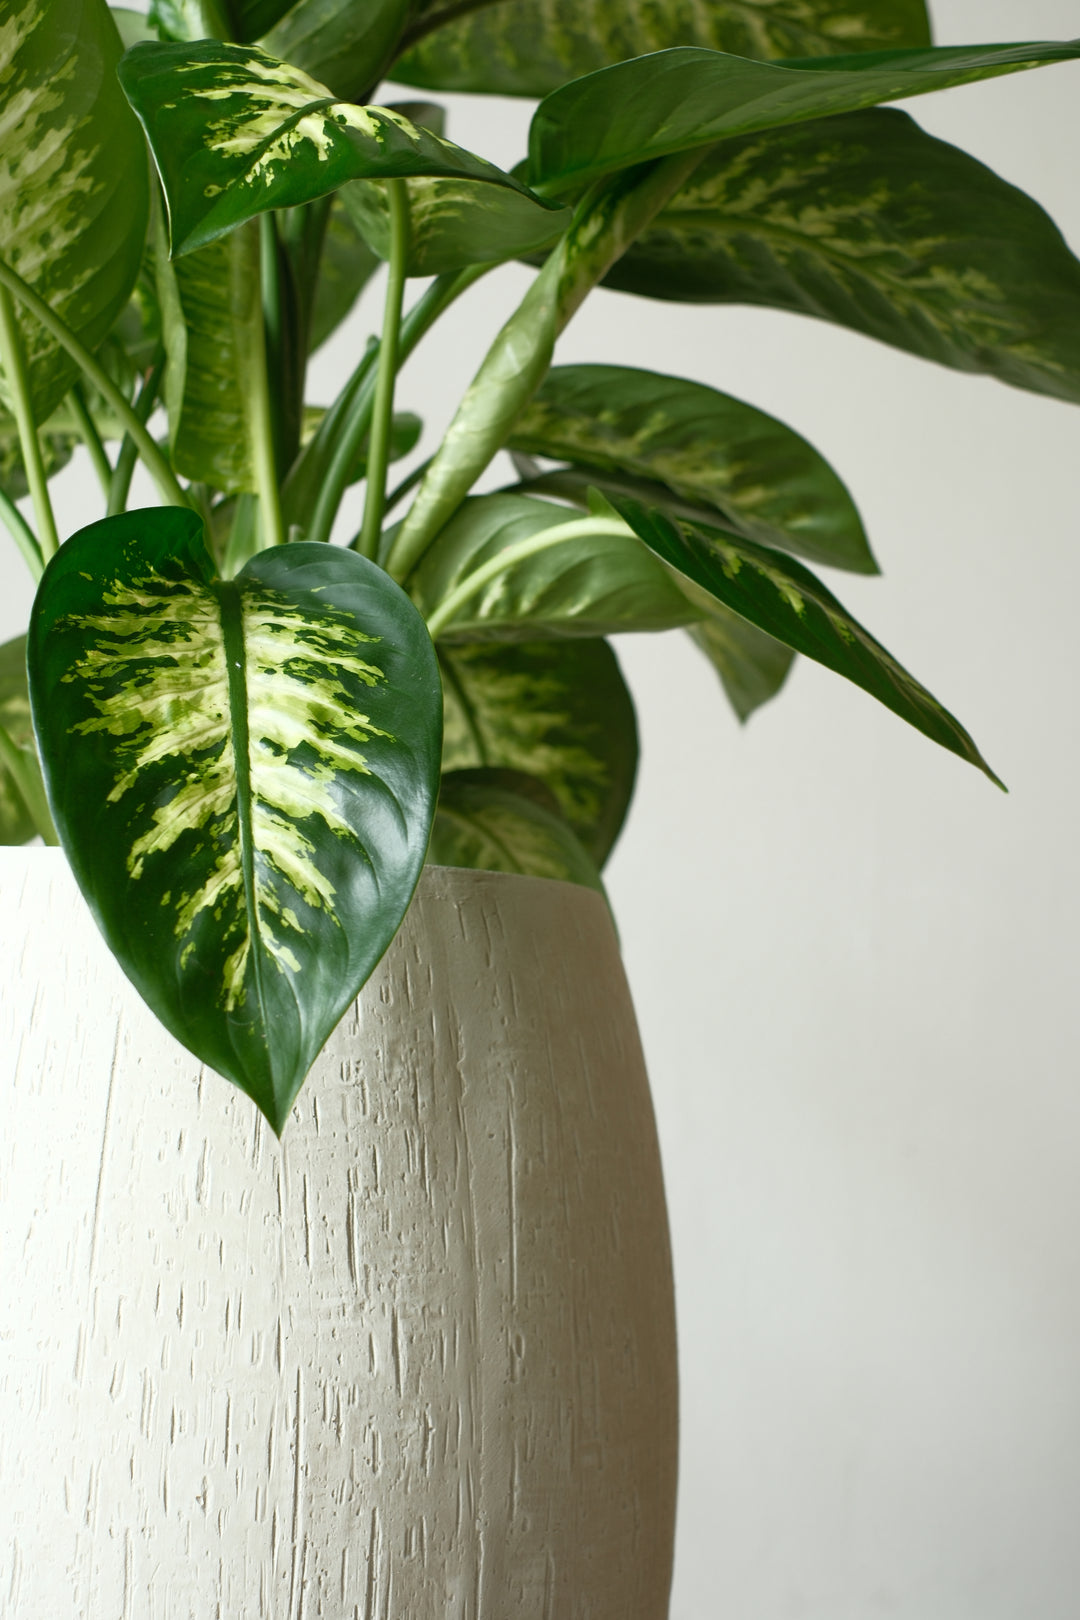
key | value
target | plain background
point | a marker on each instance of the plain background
(854, 960)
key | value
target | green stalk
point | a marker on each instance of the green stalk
(145, 400)
(91, 438)
(23, 536)
(259, 407)
(577, 529)
(25, 772)
(378, 458)
(14, 363)
(156, 463)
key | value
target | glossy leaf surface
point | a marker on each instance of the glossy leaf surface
(243, 776)
(867, 221)
(784, 599)
(734, 463)
(455, 222)
(558, 710)
(16, 823)
(73, 183)
(345, 45)
(679, 99)
(589, 586)
(503, 821)
(234, 132)
(528, 47)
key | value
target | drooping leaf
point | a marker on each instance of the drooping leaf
(345, 45)
(752, 666)
(734, 464)
(591, 585)
(455, 222)
(865, 220)
(528, 47)
(73, 180)
(681, 99)
(16, 823)
(243, 775)
(784, 599)
(498, 821)
(234, 132)
(558, 710)
(346, 266)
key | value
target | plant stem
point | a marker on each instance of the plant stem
(156, 463)
(91, 438)
(378, 458)
(23, 536)
(145, 401)
(25, 772)
(576, 529)
(258, 406)
(14, 363)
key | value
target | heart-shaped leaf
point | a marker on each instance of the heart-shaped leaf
(243, 775)
(504, 821)
(784, 599)
(234, 132)
(528, 47)
(679, 99)
(558, 710)
(73, 185)
(736, 465)
(865, 220)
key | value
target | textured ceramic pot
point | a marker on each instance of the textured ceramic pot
(415, 1362)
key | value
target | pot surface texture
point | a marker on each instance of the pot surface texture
(414, 1362)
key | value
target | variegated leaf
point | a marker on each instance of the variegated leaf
(16, 823)
(504, 821)
(347, 46)
(528, 47)
(455, 222)
(73, 182)
(679, 100)
(865, 220)
(243, 775)
(558, 710)
(234, 132)
(781, 597)
(732, 463)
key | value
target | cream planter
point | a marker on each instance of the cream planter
(416, 1362)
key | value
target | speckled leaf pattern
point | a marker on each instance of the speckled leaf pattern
(243, 775)
(16, 824)
(345, 45)
(234, 132)
(590, 586)
(865, 220)
(73, 181)
(784, 599)
(504, 821)
(680, 99)
(528, 47)
(741, 467)
(558, 710)
(455, 222)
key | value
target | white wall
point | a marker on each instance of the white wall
(853, 961)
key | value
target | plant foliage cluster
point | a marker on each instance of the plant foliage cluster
(249, 739)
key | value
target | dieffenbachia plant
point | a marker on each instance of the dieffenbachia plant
(247, 735)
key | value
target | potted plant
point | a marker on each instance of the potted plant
(249, 905)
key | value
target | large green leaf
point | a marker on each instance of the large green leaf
(682, 99)
(243, 775)
(16, 823)
(558, 710)
(589, 585)
(866, 220)
(528, 47)
(234, 132)
(733, 463)
(73, 182)
(345, 45)
(784, 599)
(503, 821)
(455, 222)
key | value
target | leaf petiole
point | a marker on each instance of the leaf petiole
(14, 363)
(22, 766)
(383, 406)
(23, 536)
(91, 438)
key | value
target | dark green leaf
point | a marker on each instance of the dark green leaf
(234, 132)
(453, 223)
(784, 599)
(558, 710)
(591, 585)
(752, 666)
(243, 776)
(499, 822)
(16, 823)
(528, 47)
(73, 182)
(682, 99)
(346, 44)
(733, 463)
(865, 220)
(346, 266)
